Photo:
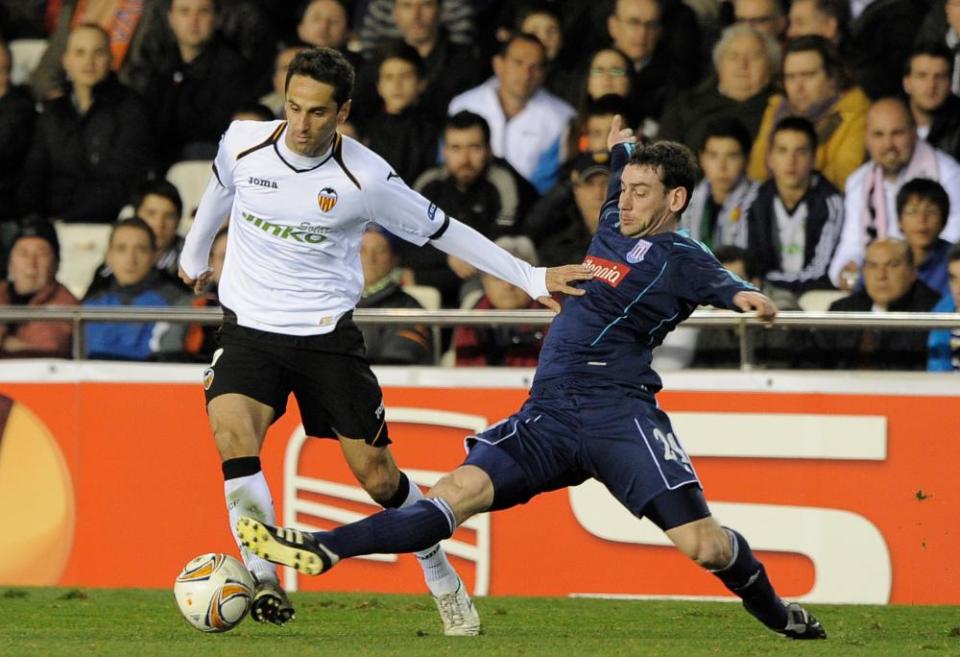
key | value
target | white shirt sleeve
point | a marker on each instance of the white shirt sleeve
(215, 206)
(467, 244)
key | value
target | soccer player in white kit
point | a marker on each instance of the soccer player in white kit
(299, 196)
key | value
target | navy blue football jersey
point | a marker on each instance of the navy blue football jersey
(642, 288)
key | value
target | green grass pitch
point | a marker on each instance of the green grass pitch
(46, 622)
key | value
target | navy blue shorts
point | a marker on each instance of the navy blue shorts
(568, 432)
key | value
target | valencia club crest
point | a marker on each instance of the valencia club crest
(327, 198)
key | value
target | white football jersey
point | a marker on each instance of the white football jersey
(293, 263)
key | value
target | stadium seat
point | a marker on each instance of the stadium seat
(429, 298)
(82, 248)
(820, 300)
(190, 177)
(26, 55)
(352, 496)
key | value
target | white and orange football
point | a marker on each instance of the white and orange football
(214, 592)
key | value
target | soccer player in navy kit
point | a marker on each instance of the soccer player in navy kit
(592, 410)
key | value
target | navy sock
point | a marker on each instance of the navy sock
(400, 496)
(412, 528)
(747, 577)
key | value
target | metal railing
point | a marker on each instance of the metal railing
(746, 322)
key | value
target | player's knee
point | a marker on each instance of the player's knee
(233, 442)
(380, 483)
(713, 551)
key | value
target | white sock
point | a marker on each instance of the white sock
(250, 496)
(437, 572)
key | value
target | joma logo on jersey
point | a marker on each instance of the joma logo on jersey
(327, 198)
(611, 273)
(263, 182)
(304, 233)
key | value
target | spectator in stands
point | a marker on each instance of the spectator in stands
(405, 134)
(389, 344)
(881, 39)
(131, 254)
(16, 126)
(195, 89)
(93, 145)
(922, 209)
(745, 59)
(942, 25)
(891, 284)
(610, 72)
(592, 125)
(528, 124)
(816, 89)
(943, 346)
(200, 341)
(717, 213)
(324, 24)
(572, 232)
(542, 20)
(763, 15)
(794, 223)
(31, 282)
(511, 346)
(774, 348)
(936, 111)
(276, 99)
(450, 65)
(482, 191)
(385, 20)
(158, 203)
(663, 47)
(827, 18)
(870, 205)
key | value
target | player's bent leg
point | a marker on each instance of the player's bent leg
(239, 425)
(727, 555)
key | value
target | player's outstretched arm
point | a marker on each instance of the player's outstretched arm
(747, 301)
(215, 205)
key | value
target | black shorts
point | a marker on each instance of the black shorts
(336, 391)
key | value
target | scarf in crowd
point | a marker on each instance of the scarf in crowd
(120, 27)
(822, 115)
(875, 221)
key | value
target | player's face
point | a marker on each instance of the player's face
(192, 21)
(886, 273)
(546, 28)
(589, 196)
(743, 68)
(86, 60)
(921, 222)
(791, 160)
(398, 84)
(635, 27)
(324, 24)
(32, 265)
(218, 253)
(466, 153)
(953, 275)
(130, 255)
(723, 163)
(417, 20)
(806, 81)
(161, 215)
(312, 116)
(609, 74)
(376, 257)
(805, 20)
(503, 295)
(645, 204)
(891, 137)
(928, 82)
(520, 70)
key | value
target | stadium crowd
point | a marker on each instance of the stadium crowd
(827, 131)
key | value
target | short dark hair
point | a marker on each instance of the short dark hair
(796, 124)
(928, 190)
(727, 128)
(521, 36)
(838, 10)
(532, 8)
(930, 49)
(464, 120)
(257, 109)
(832, 64)
(606, 105)
(139, 224)
(733, 253)
(324, 65)
(400, 50)
(159, 187)
(673, 162)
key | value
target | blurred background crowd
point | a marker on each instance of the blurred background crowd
(827, 132)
